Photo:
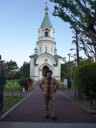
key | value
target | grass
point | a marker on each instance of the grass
(85, 103)
(13, 89)
(8, 106)
(12, 82)
(62, 89)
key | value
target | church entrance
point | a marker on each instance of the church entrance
(44, 69)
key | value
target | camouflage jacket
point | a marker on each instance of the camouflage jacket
(51, 87)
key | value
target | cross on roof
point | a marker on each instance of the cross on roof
(46, 3)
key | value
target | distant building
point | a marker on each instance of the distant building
(45, 54)
(25, 62)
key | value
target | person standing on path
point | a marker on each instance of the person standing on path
(29, 83)
(49, 86)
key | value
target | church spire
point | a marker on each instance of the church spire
(46, 9)
(46, 21)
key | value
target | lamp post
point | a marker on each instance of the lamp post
(70, 70)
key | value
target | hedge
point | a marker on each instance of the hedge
(84, 79)
(23, 83)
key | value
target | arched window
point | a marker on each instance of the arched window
(46, 34)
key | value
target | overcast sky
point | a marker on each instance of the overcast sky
(19, 23)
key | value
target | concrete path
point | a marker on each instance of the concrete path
(45, 125)
(31, 113)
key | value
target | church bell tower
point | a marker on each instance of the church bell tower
(46, 43)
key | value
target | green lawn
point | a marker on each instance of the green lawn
(12, 82)
(13, 89)
(14, 101)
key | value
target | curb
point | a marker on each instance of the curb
(14, 106)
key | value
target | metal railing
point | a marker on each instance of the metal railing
(10, 102)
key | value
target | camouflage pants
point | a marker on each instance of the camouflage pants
(52, 101)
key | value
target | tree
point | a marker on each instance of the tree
(64, 70)
(1, 61)
(85, 61)
(81, 14)
(12, 65)
(25, 70)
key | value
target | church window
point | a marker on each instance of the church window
(46, 34)
(45, 49)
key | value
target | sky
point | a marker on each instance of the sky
(19, 24)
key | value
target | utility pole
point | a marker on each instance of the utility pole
(70, 71)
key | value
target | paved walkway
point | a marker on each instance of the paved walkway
(32, 110)
(45, 125)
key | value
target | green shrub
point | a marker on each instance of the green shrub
(23, 83)
(84, 79)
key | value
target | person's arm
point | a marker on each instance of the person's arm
(40, 84)
(56, 84)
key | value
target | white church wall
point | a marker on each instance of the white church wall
(45, 58)
(32, 68)
(46, 44)
(36, 73)
(42, 31)
(51, 33)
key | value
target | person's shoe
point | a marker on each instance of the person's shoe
(46, 116)
(54, 118)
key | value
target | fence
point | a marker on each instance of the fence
(10, 102)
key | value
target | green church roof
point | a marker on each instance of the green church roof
(46, 21)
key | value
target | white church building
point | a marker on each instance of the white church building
(45, 54)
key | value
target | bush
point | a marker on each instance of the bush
(11, 76)
(23, 83)
(14, 75)
(84, 79)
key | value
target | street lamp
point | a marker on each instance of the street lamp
(70, 70)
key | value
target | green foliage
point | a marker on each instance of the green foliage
(12, 65)
(79, 13)
(85, 79)
(25, 70)
(64, 71)
(13, 75)
(23, 83)
(85, 61)
(18, 75)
